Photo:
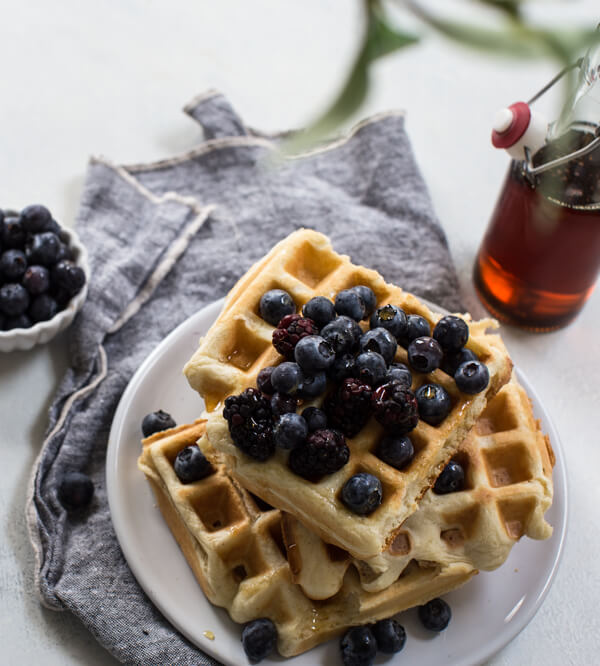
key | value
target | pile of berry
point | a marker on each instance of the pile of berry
(326, 353)
(38, 274)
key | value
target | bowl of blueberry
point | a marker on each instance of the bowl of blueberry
(43, 277)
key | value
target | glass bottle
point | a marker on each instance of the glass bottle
(540, 256)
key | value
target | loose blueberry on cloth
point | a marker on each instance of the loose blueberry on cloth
(164, 240)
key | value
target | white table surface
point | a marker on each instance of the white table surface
(110, 77)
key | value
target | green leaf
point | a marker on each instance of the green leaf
(380, 40)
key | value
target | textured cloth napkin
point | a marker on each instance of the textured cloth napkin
(164, 240)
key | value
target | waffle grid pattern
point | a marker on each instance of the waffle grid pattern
(508, 464)
(234, 545)
(238, 345)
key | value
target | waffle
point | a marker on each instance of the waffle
(238, 345)
(508, 488)
(233, 543)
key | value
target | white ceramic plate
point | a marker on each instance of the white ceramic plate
(486, 613)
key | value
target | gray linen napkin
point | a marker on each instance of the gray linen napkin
(165, 239)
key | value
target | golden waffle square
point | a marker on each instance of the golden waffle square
(233, 543)
(238, 346)
(508, 488)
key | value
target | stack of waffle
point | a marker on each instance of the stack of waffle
(264, 542)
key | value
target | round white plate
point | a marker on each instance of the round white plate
(487, 613)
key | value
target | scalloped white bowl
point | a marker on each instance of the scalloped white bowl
(44, 331)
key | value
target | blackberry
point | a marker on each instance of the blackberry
(395, 407)
(324, 452)
(289, 331)
(250, 423)
(349, 407)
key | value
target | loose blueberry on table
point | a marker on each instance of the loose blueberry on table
(38, 275)
(75, 491)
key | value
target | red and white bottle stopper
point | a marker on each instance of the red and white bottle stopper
(518, 127)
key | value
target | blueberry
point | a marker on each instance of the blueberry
(395, 450)
(315, 418)
(13, 234)
(64, 252)
(281, 403)
(350, 304)
(263, 381)
(370, 367)
(313, 385)
(379, 340)
(191, 464)
(425, 354)
(451, 480)
(472, 377)
(43, 248)
(274, 305)
(290, 431)
(156, 421)
(13, 265)
(258, 639)
(342, 368)
(343, 334)
(362, 493)
(36, 280)
(286, 377)
(43, 307)
(21, 321)
(368, 298)
(451, 332)
(35, 218)
(320, 310)
(452, 360)
(75, 491)
(399, 372)
(434, 403)
(391, 318)
(358, 647)
(68, 276)
(390, 635)
(435, 615)
(14, 299)
(314, 353)
(416, 327)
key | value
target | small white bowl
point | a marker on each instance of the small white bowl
(43, 331)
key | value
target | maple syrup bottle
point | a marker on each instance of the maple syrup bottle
(540, 256)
